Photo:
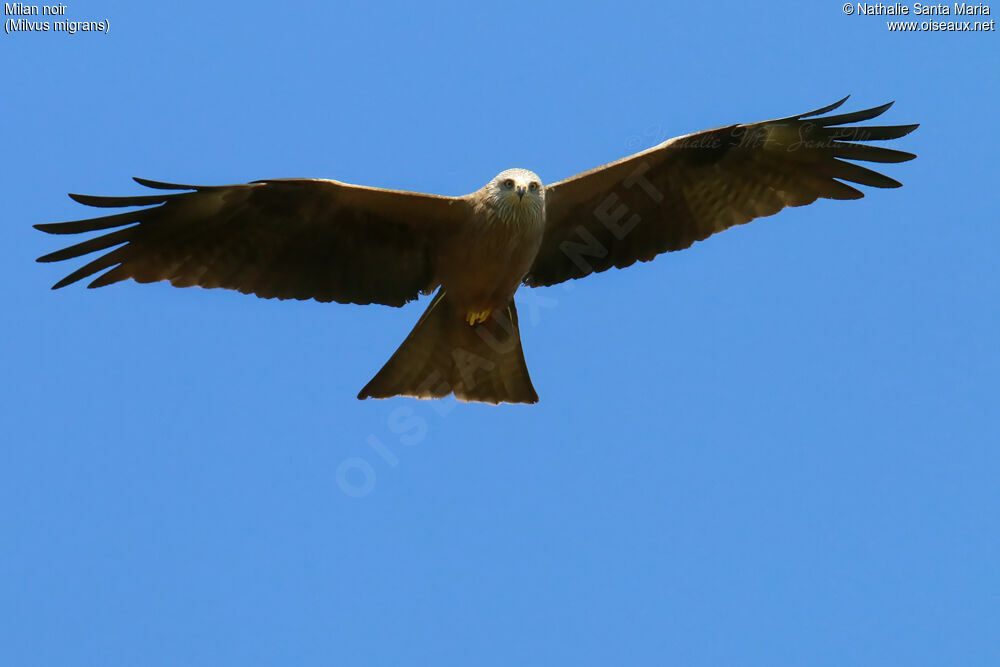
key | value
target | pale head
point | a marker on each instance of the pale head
(517, 192)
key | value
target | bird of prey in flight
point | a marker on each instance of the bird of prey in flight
(332, 241)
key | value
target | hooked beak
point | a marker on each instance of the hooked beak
(520, 190)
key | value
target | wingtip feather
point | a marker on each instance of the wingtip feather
(826, 109)
(162, 185)
(854, 116)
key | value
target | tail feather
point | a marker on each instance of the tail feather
(444, 354)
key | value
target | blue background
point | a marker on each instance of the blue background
(777, 447)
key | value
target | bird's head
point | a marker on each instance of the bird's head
(517, 191)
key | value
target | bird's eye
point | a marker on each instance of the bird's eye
(509, 183)
(533, 186)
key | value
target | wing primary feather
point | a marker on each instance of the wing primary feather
(102, 262)
(848, 171)
(834, 189)
(89, 246)
(161, 185)
(871, 132)
(115, 275)
(115, 202)
(822, 110)
(870, 153)
(854, 116)
(92, 224)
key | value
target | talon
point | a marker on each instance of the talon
(474, 318)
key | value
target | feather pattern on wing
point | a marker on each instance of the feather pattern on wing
(688, 188)
(285, 239)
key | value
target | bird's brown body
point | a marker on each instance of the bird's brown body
(482, 266)
(331, 241)
(468, 341)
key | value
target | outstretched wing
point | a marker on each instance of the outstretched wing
(688, 188)
(290, 239)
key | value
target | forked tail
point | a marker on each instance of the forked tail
(444, 354)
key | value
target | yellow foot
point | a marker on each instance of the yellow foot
(478, 318)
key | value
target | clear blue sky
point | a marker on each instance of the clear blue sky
(779, 447)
